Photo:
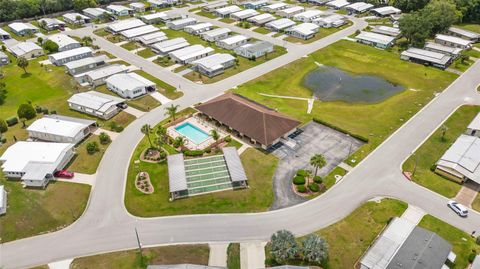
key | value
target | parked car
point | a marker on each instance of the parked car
(460, 209)
(64, 174)
(122, 105)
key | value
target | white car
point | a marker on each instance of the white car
(460, 209)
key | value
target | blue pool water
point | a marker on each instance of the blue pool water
(192, 132)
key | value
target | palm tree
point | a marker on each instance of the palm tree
(22, 62)
(171, 111)
(317, 161)
(146, 131)
(214, 135)
(162, 133)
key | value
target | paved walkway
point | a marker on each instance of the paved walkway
(153, 58)
(113, 135)
(413, 214)
(81, 179)
(160, 97)
(218, 254)
(252, 255)
(467, 193)
(65, 264)
(345, 166)
(133, 111)
(121, 43)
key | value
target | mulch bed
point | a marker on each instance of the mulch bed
(143, 184)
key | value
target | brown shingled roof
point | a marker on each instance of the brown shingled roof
(251, 119)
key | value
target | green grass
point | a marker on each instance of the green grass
(130, 45)
(476, 203)
(233, 256)
(166, 89)
(146, 53)
(144, 103)
(206, 14)
(101, 32)
(323, 32)
(130, 259)
(277, 34)
(109, 55)
(342, 12)
(349, 238)
(262, 30)
(227, 20)
(473, 53)
(32, 211)
(374, 121)
(462, 66)
(258, 197)
(84, 162)
(474, 27)
(433, 149)
(463, 244)
(329, 180)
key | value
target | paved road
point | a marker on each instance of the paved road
(105, 225)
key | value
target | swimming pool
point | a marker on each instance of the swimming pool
(192, 132)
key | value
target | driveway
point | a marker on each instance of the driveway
(315, 139)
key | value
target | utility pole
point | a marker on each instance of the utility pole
(139, 246)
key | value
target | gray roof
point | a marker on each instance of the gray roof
(427, 55)
(106, 71)
(422, 250)
(374, 37)
(177, 177)
(257, 46)
(234, 164)
(183, 266)
(465, 33)
(475, 123)
(95, 100)
(86, 61)
(441, 48)
(23, 48)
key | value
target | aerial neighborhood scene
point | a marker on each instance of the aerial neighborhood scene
(240, 134)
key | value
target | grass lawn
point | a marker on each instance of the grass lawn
(469, 26)
(227, 20)
(130, 45)
(462, 66)
(323, 32)
(476, 203)
(144, 103)
(342, 12)
(463, 244)
(193, 254)
(258, 197)
(330, 180)
(86, 163)
(15, 36)
(375, 121)
(146, 53)
(473, 53)
(349, 238)
(433, 149)
(32, 211)
(262, 30)
(101, 32)
(233, 256)
(120, 62)
(206, 14)
(166, 89)
(277, 34)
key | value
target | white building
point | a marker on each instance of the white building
(473, 128)
(272, 8)
(76, 18)
(308, 16)
(359, 7)
(385, 11)
(4, 35)
(4, 60)
(98, 76)
(119, 11)
(167, 46)
(215, 34)
(261, 19)
(305, 30)
(214, 6)
(124, 25)
(95, 12)
(129, 85)
(62, 129)
(334, 20)
(3, 200)
(280, 24)
(232, 42)
(452, 52)
(35, 162)
(85, 64)
(244, 14)
(22, 29)
(155, 17)
(214, 64)
(290, 12)
(254, 50)
(26, 49)
(139, 31)
(51, 24)
(198, 28)
(426, 57)
(181, 23)
(64, 42)
(338, 4)
(137, 7)
(225, 12)
(97, 104)
(152, 38)
(465, 34)
(191, 53)
(255, 4)
(386, 30)
(375, 40)
(452, 41)
(61, 58)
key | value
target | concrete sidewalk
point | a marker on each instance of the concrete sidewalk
(218, 254)
(467, 193)
(413, 214)
(113, 135)
(134, 112)
(160, 97)
(65, 264)
(252, 255)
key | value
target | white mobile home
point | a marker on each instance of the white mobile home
(22, 29)
(308, 16)
(280, 24)
(275, 7)
(26, 49)
(124, 25)
(64, 42)
(386, 30)
(232, 42)
(225, 12)
(95, 12)
(35, 162)
(426, 57)
(62, 129)
(189, 54)
(152, 38)
(303, 31)
(214, 64)
(338, 4)
(261, 19)
(465, 34)
(385, 11)
(255, 4)
(129, 85)
(97, 104)
(254, 50)
(290, 12)
(119, 11)
(137, 7)
(50, 24)
(359, 7)
(452, 41)
(181, 23)
(170, 45)
(76, 18)
(473, 128)
(214, 6)
(160, 17)
(215, 34)
(198, 28)
(334, 20)
(243, 14)
(85, 64)
(98, 76)
(452, 52)
(139, 31)
(375, 40)
(61, 58)
(4, 35)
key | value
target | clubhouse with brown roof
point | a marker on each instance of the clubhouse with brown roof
(261, 125)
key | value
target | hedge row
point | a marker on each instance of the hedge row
(359, 137)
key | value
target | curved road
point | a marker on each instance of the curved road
(106, 226)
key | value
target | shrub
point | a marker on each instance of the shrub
(163, 154)
(193, 153)
(478, 240)
(228, 139)
(3, 126)
(301, 189)
(208, 150)
(53, 112)
(45, 111)
(12, 121)
(104, 138)
(317, 179)
(472, 257)
(115, 127)
(38, 109)
(298, 180)
(50, 46)
(92, 147)
(3, 140)
(26, 111)
(302, 173)
(313, 187)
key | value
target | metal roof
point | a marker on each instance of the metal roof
(24, 47)
(73, 16)
(293, 9)
(95, 11)
(177, 177)
(374, 37)
(21, 26)
(182, 21)
(227, 10)
(360, 6)
(463, 32)
(170, 45)
(125, 25)
(106, 71)
(61, 126)
(138, 31)
(4, 33)
(216, 32)
(338, 3)
(281, 23)
(215, 61)
(199, 26)
(274, 6)
(246, 13)
(304, 29)
(118, 8)
(157, 15)
(308, 14)
(152, 38)
(186, 53)
(387, 10)
(443, 49)
(234, 164)
(70, 53)
(262, 18)
(233, 39)
(427, 55)
(453, 39)
(95, 100)
(129, 81)
(330, 18)
(62, 40)
(475, 123)
(86, 61)
(386, 30)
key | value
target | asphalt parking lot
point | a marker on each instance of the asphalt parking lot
(315, 139)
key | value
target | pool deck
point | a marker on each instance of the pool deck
(201, 125)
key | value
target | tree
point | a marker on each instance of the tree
(171, 111)
(104, 138)
(92, 147)
(284, 246)
(464, 57)
(414, 28)
(441, 14)
(314, 249)
(214, 135)
(50, 46)
(22, 63)
(317, 161)
(179, 142)
(26, 111)
(43, 24)
(3, 126)
(410, 5)
(146, 131)
(162, 133)
(83, 4)
(87, 41)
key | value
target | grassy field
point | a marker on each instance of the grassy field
(463, 244)
(146, 53)
(206, 14)
(31, 211)
(469, 26)
(86, 163)
(262, 30)
(233, 256)
(130, 45)
(323, 32)
(166, 89)
(349, 238)
(433, 149)
(258, 197)
(227, 20)
(130, 259)
(375, 121)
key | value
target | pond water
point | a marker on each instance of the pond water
(332, 84)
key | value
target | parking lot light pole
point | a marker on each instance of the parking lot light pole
(139, 246)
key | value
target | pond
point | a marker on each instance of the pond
(332, 84)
